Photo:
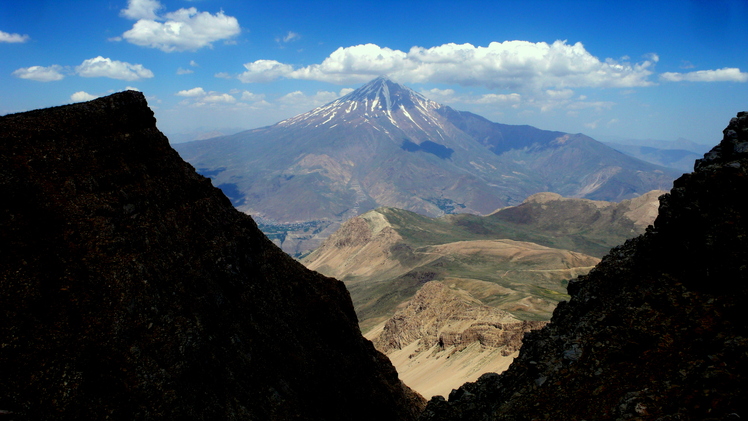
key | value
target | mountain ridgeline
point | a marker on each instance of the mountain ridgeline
(386, 145)
(656, 331)
(130, 288)
(518, 259)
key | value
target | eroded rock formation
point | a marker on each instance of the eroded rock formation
(439, 316)
(444, 337)
(130, 288)
(656, 331)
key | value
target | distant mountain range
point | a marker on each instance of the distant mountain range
(386, 145)
(680, 154)
(677, 144)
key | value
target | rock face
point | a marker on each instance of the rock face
(439, 316)
(130, 288)
(656, 331)
(444, 337)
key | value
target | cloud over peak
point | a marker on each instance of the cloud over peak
(515, 65)
(182, 30)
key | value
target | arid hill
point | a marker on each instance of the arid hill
(517, 259)
(656, 331)
(130, 288)
(444, 337)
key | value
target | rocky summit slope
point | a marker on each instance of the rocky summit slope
(656, 331)
(130, 288)
(444, 337)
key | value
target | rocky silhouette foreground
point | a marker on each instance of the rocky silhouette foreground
(130, 288)
(657, 331)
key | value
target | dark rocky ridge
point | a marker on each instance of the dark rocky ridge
(130, 288)
(656, 331)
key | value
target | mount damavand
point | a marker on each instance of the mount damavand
(386, 145)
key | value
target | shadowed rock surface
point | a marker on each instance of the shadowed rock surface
(130, 288)
(656, 331)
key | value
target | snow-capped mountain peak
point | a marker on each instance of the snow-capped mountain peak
(381, 103)
(382, 93)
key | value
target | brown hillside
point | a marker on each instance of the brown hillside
(444, 337)
(384, 256)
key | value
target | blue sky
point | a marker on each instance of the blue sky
(633, 69)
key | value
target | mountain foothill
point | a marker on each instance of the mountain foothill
(514, 265)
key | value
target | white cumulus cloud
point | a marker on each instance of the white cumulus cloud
(449, 96)
(249, 96)
(356, 64)
(182, 30)
(40, 73)
(514, 65)
(81, 96)
(559, 94)
(264, 71)
(301, 101)
(497, 99)
(194, 92)
(13, 38)
(443, 96)
(200, 97)
(727, 74)
(105, 67)
(141, 9)
(218, 97)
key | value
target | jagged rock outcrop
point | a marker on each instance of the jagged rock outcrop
(444, 337)
(656, 331)
(130, 288)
